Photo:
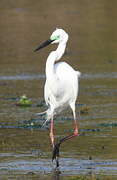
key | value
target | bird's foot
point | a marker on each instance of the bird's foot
(55, 154)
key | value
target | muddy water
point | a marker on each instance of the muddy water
(25, 151)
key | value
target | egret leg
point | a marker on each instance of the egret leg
(75, 133)
(57, 145)
(52, 131)
(75, 121)
(55, 154)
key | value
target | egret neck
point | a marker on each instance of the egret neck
(52, 58)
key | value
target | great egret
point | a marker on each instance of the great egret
(61, 87)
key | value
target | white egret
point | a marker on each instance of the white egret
(61, 86)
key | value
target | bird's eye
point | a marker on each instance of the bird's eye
(57, 37)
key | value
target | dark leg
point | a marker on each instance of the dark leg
(55, 154)
(57, 145)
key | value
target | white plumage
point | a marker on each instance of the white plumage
(61, 87)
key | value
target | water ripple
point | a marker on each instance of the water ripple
(68, 166)
(112, 75)
(23, 77)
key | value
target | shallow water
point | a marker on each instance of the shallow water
(25, 150)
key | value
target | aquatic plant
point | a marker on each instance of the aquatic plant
(24, 101)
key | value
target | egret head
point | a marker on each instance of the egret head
(58, 36)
